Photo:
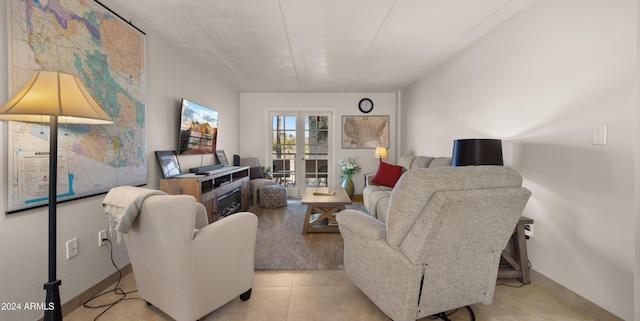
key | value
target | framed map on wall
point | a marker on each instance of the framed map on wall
(365, 131)
(86, 39)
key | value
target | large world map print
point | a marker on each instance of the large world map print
(83, 38)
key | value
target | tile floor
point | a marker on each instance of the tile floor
(330, 295)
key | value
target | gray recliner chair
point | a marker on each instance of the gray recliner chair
(441, 245)
(255, 183)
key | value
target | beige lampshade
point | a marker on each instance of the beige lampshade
(49, 93)
(381, 152)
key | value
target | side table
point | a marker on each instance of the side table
(516, 263)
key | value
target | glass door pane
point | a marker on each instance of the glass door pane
(316, 158)
(283, 149)
(300, 150)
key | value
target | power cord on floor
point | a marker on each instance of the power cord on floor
(439, 315)
(445, 316)
(116, 290)
(517, 286)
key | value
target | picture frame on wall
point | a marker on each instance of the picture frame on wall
(365, 132)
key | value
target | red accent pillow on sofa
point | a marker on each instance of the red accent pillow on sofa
(387, 174)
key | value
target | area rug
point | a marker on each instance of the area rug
(280, 244)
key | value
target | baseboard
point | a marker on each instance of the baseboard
(98, 288)
(572, 298)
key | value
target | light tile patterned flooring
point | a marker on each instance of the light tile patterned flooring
(329, 295)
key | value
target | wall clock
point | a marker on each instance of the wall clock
(365, 105)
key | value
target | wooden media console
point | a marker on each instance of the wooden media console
(222, 191)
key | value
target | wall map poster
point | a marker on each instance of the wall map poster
(83, 38)
(365, 131)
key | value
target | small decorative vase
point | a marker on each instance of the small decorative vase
(347, 185)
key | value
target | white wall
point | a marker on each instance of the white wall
(24, 235)
(637, 175)
(540, 82)
(255, 133)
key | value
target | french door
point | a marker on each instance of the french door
(300, 150)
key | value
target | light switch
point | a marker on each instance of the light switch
(599, 135)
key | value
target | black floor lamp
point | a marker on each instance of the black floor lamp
(45, 97)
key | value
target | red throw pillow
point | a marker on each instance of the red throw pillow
(387, 174)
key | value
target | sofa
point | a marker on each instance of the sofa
(376, 197)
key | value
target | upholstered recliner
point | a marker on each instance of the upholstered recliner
(256, 182)
(185, 267)
(441, 244)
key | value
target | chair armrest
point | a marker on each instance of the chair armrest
(363, 225)
(231, 240)
(223, 259)
(243, 225)
(368, 179)
(201, 216)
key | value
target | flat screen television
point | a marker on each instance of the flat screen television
(198, 129)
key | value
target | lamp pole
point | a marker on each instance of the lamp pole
(53, 308)
(53, 94)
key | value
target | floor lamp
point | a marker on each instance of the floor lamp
(45, 97)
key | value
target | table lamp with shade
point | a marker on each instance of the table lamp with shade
(46, 97)
(477, 151)
(381, 152)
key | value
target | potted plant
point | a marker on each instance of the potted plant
(267, 172)
(348, 167)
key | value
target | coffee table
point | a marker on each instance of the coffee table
(321, 209)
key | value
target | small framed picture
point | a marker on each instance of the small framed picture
(168, 161)
(222, 158)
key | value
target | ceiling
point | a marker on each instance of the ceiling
(321, 45)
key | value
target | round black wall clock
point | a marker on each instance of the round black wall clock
(365, 105)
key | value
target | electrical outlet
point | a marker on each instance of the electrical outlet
(72, 248)
(528, 231)
(101, 236)
(599, 133)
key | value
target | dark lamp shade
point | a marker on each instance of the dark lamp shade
(477, 152)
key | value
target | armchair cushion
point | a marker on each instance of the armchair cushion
(387, 174)
(255, 172)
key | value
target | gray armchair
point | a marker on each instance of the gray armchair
(255, 183)
(441, 244)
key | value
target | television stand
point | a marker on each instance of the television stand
(205, 169)
(223, 191)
